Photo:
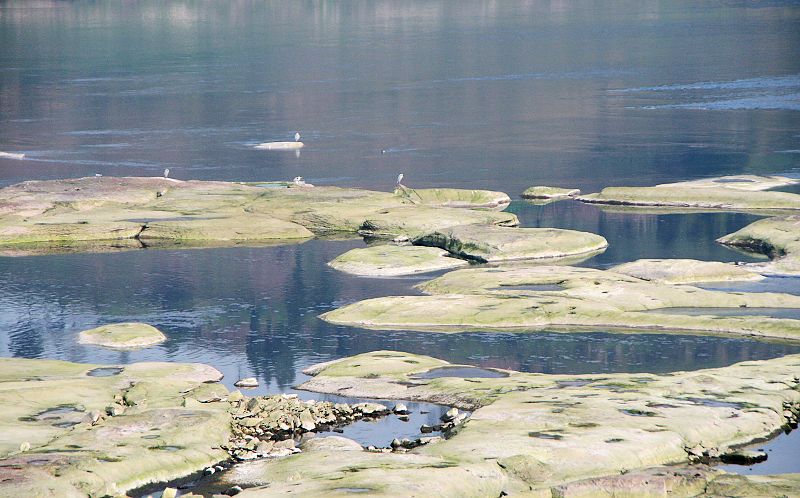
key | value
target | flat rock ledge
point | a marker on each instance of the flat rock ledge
(686, 271)
(742, 192)
(394, 260)
(529, 298)
(550, 193)
(123, 336)
(484, 243)
(530, 433)
(108, 213)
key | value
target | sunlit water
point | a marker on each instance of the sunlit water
(471, 94)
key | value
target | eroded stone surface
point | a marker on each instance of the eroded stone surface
(542, 435)
(686, 271)
(90, 212)
(66, 433)
(742, 192)
(123, 336)
(485, 243)
(542, 192)
(500, 299)
(391, 260)
(778, 238)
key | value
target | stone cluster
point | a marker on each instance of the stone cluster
(268, 426)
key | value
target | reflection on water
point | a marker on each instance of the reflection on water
(253, 312)
(575, 94)
(632, 234)
(581, 93)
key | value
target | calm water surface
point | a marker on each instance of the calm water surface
(491, 94)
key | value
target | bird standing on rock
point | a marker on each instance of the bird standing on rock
(166, 173)
(297, 136)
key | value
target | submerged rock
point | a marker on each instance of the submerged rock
(123, 336)
(742, 192)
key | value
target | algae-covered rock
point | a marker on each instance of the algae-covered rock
(778, 238)
(686, 271)
(107, 213)
(123, 336)
(392, 260)
(74, 445)
(552, 435)
(742, 192)
(531, 298)
(492, 243)
(542, 192)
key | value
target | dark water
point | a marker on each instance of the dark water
(462, 93)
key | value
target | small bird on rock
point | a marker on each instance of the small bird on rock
(166, 173)
(297, 136)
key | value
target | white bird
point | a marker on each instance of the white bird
(298, 180)
(166, 173)
(297, 136)
(98, 175)
(399, 178)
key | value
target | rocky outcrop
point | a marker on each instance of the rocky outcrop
(123, 336)
(107, 213)
(532, 298)
(778, 238)
(484, 243)
(742, 192)
(392, 260)
(551, 435)
(550, 193)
